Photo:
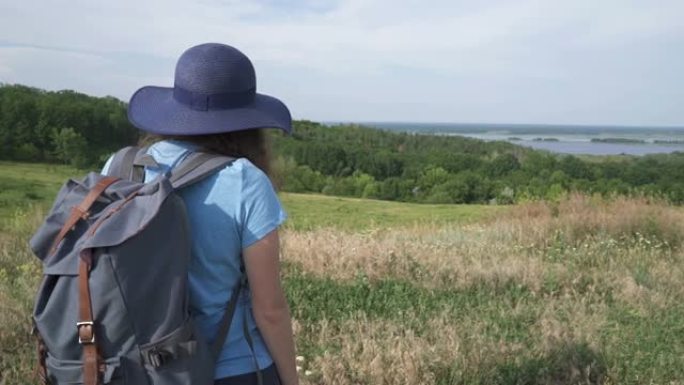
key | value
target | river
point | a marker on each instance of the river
(567, 139)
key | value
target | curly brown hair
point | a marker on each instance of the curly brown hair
(251, 144)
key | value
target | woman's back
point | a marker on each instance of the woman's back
(228, 212)
(234, 215)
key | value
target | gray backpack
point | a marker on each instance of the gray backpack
(113, 304)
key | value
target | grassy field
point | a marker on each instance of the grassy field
(308, 212)
(582, 291)
(23, 185)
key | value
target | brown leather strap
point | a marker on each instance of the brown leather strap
(85, 325)
(82, 210)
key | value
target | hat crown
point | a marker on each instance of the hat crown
(214, 68)
(214, 92)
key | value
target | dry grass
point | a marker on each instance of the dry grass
(371, 351)
(601, 298)
(582, 247)
(383, 352)
(579, 292)
(580, 218)
(565, 322)
(376, 352)
(19, 275)
(429, 256)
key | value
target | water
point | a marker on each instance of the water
(590, 148)
(560, 138)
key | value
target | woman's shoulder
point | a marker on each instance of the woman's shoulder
(244, 171)
(249, 191)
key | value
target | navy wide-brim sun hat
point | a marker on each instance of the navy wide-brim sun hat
(214, 92)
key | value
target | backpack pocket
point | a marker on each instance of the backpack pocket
(71, 371)
(179, 358)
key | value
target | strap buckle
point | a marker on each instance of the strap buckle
(86, 332)
(158, 358)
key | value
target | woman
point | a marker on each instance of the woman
(214, 107)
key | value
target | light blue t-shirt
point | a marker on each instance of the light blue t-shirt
(228, 212)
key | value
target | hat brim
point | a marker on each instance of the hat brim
(154, 109)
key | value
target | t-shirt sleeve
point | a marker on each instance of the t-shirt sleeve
(260, 207)
(105, 169)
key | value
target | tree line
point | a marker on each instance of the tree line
(346, 160)
(358, 161)
(62, 126)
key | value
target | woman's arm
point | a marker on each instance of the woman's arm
(271, 312)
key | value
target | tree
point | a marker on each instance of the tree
(503, 165)
(27, 152)
(70, 147)
(432, 176)
(29, 116)
(575, 168)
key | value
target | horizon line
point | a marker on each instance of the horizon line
(371, 122)
(492, 124)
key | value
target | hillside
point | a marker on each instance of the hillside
(352, 160)
(66, 127)
(579, 291)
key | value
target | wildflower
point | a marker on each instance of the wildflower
(299, 369)
(308, 373)
(299, 359)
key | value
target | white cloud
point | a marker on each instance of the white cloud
(526, 56)
(57, 69)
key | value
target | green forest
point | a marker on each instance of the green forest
(346, 160)
(63, 126)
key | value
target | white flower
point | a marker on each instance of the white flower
(308, 373)
(299, 359)
(299, 369)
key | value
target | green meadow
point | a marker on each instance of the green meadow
(24, 184)
(308, 212)
(583, 290)
(27, 184)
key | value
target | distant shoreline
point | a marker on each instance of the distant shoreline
(619, 140)
(545, 140)
(514, 128)
(561, 139)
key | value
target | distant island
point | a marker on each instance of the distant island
(558, 138)
(618, 140)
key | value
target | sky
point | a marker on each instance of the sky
(608, 62)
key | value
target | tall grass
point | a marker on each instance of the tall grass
(582, 291)
(581, 218)
(19, 276)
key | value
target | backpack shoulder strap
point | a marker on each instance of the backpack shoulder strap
(226, 320)
(129, 163)
(121, 162)
(197, 166)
